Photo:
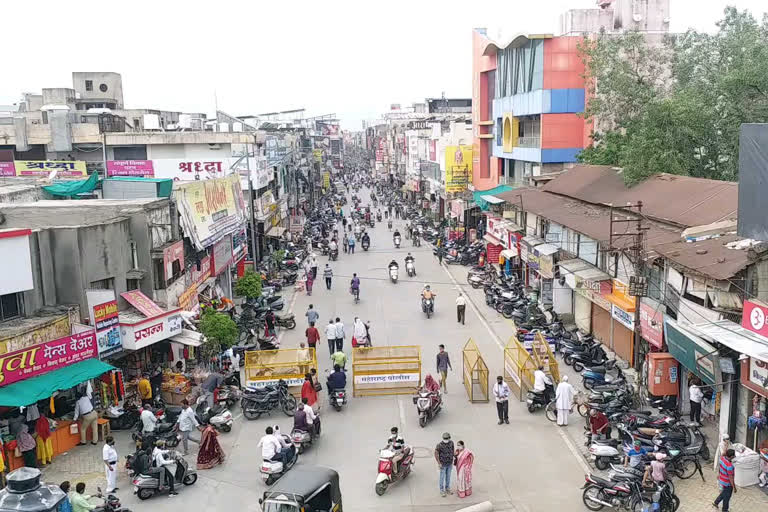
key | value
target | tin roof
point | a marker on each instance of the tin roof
(679, 200)
(709, 257)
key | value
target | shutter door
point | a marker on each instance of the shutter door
(622, 342)
(582, 312)
(601, 325)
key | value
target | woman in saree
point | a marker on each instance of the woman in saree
(464, 461)
(308, 390)
(210, 453)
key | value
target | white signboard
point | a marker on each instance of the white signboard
(388, 379)
(625, 318)
(192, 169)
(151, 330)
(758, 372)
(257, 384)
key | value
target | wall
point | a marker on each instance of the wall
(483, 176)
(191, 151)
(113, 81)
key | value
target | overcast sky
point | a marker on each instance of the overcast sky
(352, 58)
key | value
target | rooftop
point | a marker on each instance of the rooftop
(74, 213)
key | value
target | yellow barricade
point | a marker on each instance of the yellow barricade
(267, 367)
(543, 356)
(518, 366)
(474, 373)
(386, 370)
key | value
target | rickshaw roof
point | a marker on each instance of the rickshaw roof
(303, 481)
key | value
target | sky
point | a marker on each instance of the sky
(353, 59)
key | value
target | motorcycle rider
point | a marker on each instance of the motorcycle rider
(366, 238)
(273, 447)
(336, 380)
(162, 461)
(540, 383)
(354, 285)
(345, 242)
(333, 246)
(389, 224)
(427, 294)
(393, 264)
(410, 258)
(304, 418)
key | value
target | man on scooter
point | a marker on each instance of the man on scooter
(274, 448)
(542, 383)
(427, 294)
(336, 380)
(162, 461)
(366, 239)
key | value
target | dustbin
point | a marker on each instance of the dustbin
(746, 468)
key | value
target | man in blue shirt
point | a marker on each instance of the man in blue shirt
(337, 380)
(636, 456)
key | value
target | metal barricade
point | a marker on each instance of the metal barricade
(518, 366)
(394, 370)
(474, 372)
(267, 367)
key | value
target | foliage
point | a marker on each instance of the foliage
(278, 256)
(677, 108)
(249, 285)
(220, 332)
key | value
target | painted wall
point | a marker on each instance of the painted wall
(483, 176)
(192, 151)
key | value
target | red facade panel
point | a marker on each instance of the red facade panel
(563, 68)
(562, 131)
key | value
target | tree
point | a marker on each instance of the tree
(220, 332)
(249, 286)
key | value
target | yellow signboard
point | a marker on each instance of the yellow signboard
(211, 207)
(326, 180)
(318, 154)
(44, 168)
(458, 168)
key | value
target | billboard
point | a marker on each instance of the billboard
(458, 168)
(134, 168)
(45, 167)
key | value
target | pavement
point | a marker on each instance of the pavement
(529, 465)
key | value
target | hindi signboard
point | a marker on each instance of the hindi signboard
(46, 357)
(132, 168)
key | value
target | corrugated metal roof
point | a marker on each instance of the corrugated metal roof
(679, 200)
(709, 257)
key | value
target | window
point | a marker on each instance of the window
(103, 284)
(89, 85)
(159, 271)
(10, 306)
(132, 284)
(499, 132)
(656, 282)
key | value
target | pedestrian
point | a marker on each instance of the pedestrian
(328, 275)
(464, 460)
(302, 358)
(564, 397)
(346, 243)
(84, 409)
(313, 266)
(144, 388)
(65, 505)
(358, 333)
(725, 480)
(330, 334)
(312, 314)
(310, 283)
(27, 446)
(210, 453)
(695, 395)
(79, 500)
(501, 394)
(599, 424)
(313, 335)
(444, 454)
(461, 308)
(351, 245)
(109, 456)
(343, 221)
(725, 443)
(440, 254)
(186, 423)
(340, 335)
(44, 440)
(308, 390)
(443, 363)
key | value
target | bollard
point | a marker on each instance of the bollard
(485, 506)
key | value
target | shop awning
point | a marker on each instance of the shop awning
(532, 241)
(725, 300)
(693, 352)
(491, 239)
(491, 199)
(733, 336)
(276, 232)
(546, 249)
(25, 392)
(188, 337)
(509, 253)
(582, 270)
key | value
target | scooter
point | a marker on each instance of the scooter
(271, 471)
(604, 374)
(410, 269)
(338, 398)
(334, 255)
(393, 274)
(366, 244)
(604, 452)
(539, 399)
(218, 416)
(146, 486)
(303, 439)
(385, 478)
(396, 240)
(428, 405)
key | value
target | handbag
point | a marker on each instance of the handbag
(318, 386)
(354, 342)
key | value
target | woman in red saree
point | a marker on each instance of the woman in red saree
(464, 461)
(308, 390)
(210, 453)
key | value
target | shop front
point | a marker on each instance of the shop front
(530, 263)
(502, 238)
(588, 284)
(545, 257)
(622, 321)
(39, 386)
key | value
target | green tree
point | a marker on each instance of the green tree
(278, 256)
(249, 285)
(219, 330)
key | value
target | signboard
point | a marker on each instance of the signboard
(46, 357)
(388, 379)
(433, 150)
(143, 303)
(257, 384)
(197, 275)
(624, 318)
(329, 129)
(458, 168)
(239, 245)
(188, 300)
(170, 254)
(754, 316)
(317, 154)
(7, 169)
(106, 321)
(651, 325)
(593, 297)
(187, 169)
(693, 352)
(151, 330)
(211, 209)
(758, 373)
(136, 168)
(44, 168)
(326, 180)
(546, 266)
(222, 255)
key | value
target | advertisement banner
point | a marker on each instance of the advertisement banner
(107, 326)
(134, 168)
(187, 169)
(329, 130)
(222, 255)
(433, 150)
(170, 254)
(317, 154)
(7, 169)
(44, 168)
(150, 331)
(143, 303)
(753, 317)
(211, 209)
(46, 357)
(652, 325)
(458, 168)
(326, 180)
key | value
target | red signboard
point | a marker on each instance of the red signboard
(433, 150)
(652, 324)
(754, 317)
(143, 303)
(46, 357)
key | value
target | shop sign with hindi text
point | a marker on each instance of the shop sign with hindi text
(46, 357)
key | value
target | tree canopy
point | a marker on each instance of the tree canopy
(249, 285)
(220, 332)
(676, 105)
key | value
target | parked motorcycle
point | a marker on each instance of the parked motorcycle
(256, 402)
(217, 415)
(428, 405)
(288, 321)
(386, 475)
(146, 486)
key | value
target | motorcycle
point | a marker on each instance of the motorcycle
(288, 321)
(410, 269)
(378, 217)
(386, 477)
(396, 240)
(393, 271)
(334, 255)
(603, 374)
(539, 399)
(428, 306)
(146, 486)
(271, 471)
(604, 452)
(163, 432)
(428, 405)
(218, 416)
(366, 244)
(256, 402)
(122, 418)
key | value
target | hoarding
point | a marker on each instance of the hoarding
(133, 168)
(458, 168)
(44, 168)
(46, 357)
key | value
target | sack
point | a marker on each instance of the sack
(318, 386)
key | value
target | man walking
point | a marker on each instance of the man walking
(328, 275)
(501, 394)
(564, 397)
(443, 363)
(313, 336)
(330, 334)
(440, 253)
(339, 335)
(352, 245)
(725, 480)
(311, 314)
(461, 308)
(313, 267)
(444, 454)
(186, 423)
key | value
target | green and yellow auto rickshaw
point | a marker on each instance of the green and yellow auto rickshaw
(304, 489)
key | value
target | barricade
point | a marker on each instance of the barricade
(386, 370)
(474, 373)
(267, 367)
(518, 366)
(543, 356)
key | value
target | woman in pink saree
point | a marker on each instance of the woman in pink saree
(464, 461)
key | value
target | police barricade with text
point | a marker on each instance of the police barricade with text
(518, 366)
(268, 367)
(386, 370)
(542, 355)
(474, 372)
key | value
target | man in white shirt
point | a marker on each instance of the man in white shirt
(109, 456)
(162, 461)
(84, 409)
(339, 334)
(330, 333)
(695, 395)
(501, 394)
(186, 423)
(541, 381)
(148, 420)
(274, 448)
(461, 308)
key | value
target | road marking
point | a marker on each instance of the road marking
(235, 418)
(290, 310)
(574, 450)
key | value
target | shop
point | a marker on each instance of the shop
(39, 386)
(545, 257)
(587, 284)
(622, 321)
(502, 237)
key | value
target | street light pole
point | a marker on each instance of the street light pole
(254, 254)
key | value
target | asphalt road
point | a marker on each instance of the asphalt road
(525, 466)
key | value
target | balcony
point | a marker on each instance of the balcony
(529, 142)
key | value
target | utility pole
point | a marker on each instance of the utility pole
(254, 254)
(638, 283)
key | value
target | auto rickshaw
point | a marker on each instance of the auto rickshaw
(304, 489)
